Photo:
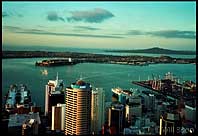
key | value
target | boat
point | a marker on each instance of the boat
(17, 97)
(44, 72)
(56, 62)
(118, 92)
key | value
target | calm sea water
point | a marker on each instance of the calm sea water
(107, 76)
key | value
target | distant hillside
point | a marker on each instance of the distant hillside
(155, 50)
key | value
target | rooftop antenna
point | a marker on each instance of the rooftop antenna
(57, 77)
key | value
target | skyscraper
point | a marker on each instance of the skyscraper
(133, 108)
(78, 109)
(97, 110)
(54, 94)
(116, 118)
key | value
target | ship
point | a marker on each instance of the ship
(56, 62)
(18, 97)
(118, 93)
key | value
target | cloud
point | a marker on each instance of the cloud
(87, 28)
(19, 29)
(71, 34)
(166, 33)
(5, 14)
(41, 32)
(96, 15)
(12, 28)
(53, 16)
(11, 14)
(174, 34)
(135, 32)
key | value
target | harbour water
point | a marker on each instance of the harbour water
(107, 76)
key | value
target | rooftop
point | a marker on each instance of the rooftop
(171, 116)
(116, 106)
(19, 119)
(80, 85)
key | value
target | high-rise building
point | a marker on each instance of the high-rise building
(97, 110)
(116, 118)
(78, 109)
(170, 124)
(58, 117)
(149, 101)
(54, 94)
(133, 108)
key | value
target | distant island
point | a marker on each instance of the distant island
(155, 50)
(62, 58)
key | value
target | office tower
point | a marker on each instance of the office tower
(116, 118)
(78, 109)
(149, 101)
(58, 117)
(170, 124)
(54, 94)
(97, 110)
(133, 108)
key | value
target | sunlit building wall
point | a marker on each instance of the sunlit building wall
(78, 109)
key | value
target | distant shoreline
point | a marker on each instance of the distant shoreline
(99, 58)
(155, 50)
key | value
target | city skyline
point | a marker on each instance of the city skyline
(126, 25)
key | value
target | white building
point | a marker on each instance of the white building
(53, 86)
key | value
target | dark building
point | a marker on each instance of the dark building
(116, 118)
(170, 124)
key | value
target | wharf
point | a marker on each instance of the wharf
(178, 93)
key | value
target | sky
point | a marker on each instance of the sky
(106, 25)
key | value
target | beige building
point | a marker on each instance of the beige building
(78, 109)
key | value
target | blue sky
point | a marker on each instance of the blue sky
(126, 25)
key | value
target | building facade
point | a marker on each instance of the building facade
(58, 117)
(97, 110)
(54, 94)
(116, 118)
(78, 109)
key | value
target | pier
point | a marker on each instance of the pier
(171, 88)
